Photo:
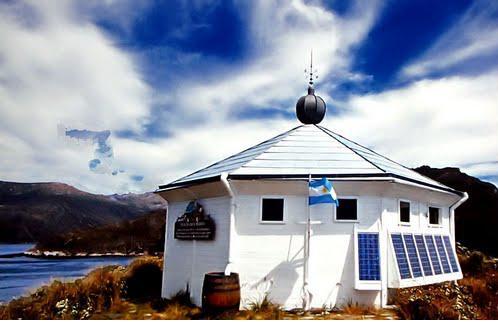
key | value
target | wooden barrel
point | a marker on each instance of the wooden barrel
(220, 292)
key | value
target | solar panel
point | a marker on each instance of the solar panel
(412, 255)
(433, 254)
(424, 257)
(442, 254)
(369, 256)
(451, 254)
(399, 250)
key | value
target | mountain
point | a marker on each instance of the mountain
(31, 212)
(143, 234)
(476, 220)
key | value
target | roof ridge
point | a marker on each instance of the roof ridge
(380, 155)
(323, 129)
(284, 134)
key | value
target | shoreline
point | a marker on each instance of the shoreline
(64, 255)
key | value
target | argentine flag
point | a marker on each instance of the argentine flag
(321, 191)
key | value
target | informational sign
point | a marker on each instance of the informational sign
(194, 224)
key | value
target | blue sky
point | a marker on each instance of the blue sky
(414, 80)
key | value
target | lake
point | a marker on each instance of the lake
(20, 275)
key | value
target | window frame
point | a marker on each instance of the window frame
(440, 216)
(272, 222)
(409, 222)
(357, 210)
(371, 285)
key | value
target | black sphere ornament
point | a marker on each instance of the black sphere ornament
(310, 109)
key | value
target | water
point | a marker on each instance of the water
(21, 275)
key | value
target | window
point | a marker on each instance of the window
(404, 211)
(434, 216)
(368, 256)
(272, 210)
(347, 210)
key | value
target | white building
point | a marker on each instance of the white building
(393, 227)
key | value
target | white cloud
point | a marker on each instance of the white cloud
(475, 35)
(281, 35)
(445, 122)
(162, 161)
(56, 68)
(62, 69)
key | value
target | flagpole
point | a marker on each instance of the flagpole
(306, 292)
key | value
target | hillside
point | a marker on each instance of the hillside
(476, 220)
(31, 212)
(143, 234)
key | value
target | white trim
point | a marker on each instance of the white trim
(357, 220)
(272, 222)
(439, 217)
(452, 216)
(409, 222)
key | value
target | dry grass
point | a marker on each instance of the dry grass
(356, 309)
(133, 292)
(104, 289)
(474, 297)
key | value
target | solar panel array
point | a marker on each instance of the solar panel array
(412, 255)
(451, 254)
(433, 254)
(399, 249)
(423, 255)
(442, 254)
(369, 256)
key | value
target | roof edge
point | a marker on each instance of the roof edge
(386, 175)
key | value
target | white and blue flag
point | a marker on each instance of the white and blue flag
(321, 191)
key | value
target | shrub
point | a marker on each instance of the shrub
(143, 281)
(99, 291)
(472, 264)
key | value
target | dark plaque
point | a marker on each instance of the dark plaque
(194, 224)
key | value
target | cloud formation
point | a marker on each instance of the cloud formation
(57, 68)
(473, 37)
(60, 66)
(444, 122)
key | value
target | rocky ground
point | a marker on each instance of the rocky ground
(473, 297)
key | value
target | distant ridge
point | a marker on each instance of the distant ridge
(477, 219)
(32, 212)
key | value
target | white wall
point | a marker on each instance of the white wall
(269, 257)
(186, 262)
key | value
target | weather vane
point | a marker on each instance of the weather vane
(311, 71)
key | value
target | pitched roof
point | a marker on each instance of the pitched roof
(305, 150)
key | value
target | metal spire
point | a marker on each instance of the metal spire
(311, 69)
(312, 73)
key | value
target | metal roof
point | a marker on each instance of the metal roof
(305, 150)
